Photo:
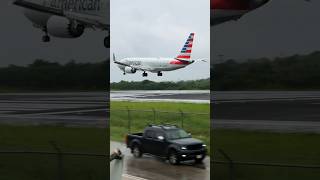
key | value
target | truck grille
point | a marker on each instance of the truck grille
(194, 147)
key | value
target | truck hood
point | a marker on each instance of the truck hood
(186, 141)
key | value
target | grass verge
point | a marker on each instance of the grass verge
(266, 147)
(38, 138)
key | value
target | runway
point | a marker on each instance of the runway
(278, 111)
(151, 168)
(67, 109)
(191, 96)
(244, 96)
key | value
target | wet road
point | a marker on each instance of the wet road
(152, 168)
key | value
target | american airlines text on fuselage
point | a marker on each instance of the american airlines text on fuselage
(135, 63)
(76, 5)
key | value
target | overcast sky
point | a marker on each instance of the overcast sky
(21, 43)
(280, 28)
(159, 28)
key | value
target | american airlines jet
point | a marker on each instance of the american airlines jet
(157, 65)
(67, 18)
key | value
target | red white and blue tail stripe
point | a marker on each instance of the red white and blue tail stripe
(186, 50)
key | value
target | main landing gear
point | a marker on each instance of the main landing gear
(46, 37)
(144, 74)
(159, 73)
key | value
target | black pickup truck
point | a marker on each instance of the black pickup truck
(166, 141)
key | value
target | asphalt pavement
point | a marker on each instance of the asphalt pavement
(153, 168)
(68, 109)
(280, 111)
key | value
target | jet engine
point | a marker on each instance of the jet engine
(63, 27)
(129, 70)
(38, 19)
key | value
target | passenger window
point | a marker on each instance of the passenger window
(159, 134)
(149, 134)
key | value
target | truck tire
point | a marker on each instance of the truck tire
(136, 151)
(199, 161)
(173, 157)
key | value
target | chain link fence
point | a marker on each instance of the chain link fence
(129, 120)
(224, 167)
(53, 152)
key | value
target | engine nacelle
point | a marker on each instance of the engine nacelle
(130, 70)
(62, 27)
(39, 19)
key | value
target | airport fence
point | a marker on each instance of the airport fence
(52, 151)
(226, 168)
(129, 120)
(55, 164)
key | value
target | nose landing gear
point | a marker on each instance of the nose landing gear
(46, 37)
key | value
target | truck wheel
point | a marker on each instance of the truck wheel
(199, 161)
(174, 158)
(136, 151)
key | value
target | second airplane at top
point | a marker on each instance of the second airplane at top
(157, 65)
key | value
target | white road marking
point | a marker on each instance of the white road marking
(132, 177)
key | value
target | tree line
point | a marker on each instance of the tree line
(51, 76)
(297, 72)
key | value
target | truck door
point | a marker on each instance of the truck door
(148, 141)
(159, 145)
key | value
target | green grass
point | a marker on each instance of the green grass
(141, 114)
(267, 147)
(37, 138)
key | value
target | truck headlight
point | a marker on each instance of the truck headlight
(184, 148)
(203, 145)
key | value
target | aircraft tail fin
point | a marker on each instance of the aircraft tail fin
(185, 53)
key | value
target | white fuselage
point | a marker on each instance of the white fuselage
(153, 64)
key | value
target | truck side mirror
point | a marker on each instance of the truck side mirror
(189, 134)
(161, 138)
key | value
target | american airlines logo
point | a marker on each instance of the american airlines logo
(76, 5)
(135, 63)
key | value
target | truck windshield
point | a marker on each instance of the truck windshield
(177, 134)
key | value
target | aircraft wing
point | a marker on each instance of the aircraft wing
(88, 20)
(120, 63)
(38, 7)
(132, 66)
